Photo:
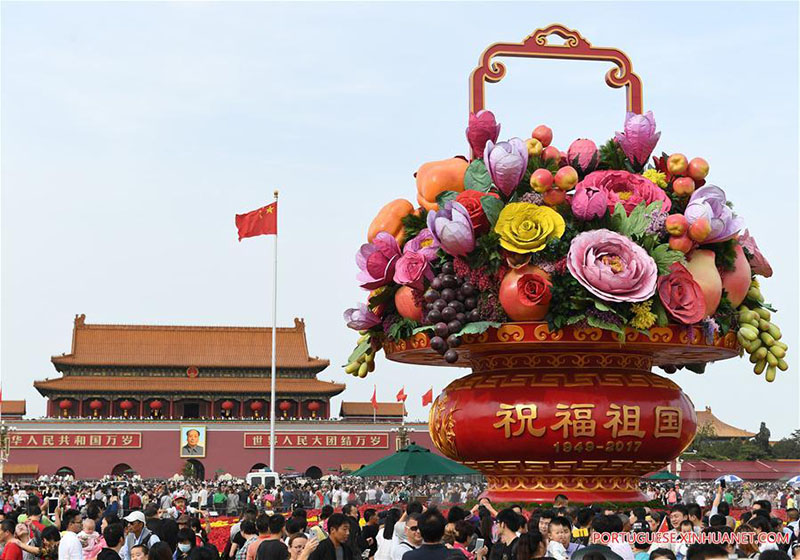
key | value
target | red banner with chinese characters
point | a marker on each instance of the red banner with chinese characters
(82, 440)
(326, 440)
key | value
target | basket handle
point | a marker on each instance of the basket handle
(575, 47)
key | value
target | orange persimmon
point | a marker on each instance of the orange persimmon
(437, 176)
(390, 219)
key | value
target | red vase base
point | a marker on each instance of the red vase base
(578, 489)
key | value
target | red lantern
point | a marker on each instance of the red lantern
(65, 405)
(284, 406)
(313, 406)
(155, 406)
(256, 407)
(227, 406)
(96, 405)
(126, 405)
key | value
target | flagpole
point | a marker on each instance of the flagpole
(374, 407)
(274, 353)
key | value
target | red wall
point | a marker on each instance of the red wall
(159, 453)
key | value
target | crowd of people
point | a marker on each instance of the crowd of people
(63, 519)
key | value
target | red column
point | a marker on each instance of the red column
(241, 409)
(212, 408)
(141, 408)
(80, 408)
(171, 404)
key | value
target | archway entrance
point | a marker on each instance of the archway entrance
(198, 470)
(313, 472)
(66, 471)
(259, 467)
(122, 469)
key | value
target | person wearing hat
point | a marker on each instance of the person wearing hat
(137, 533)
(179, 507)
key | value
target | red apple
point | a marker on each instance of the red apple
(554, 197)
(681, 243)
(541, 180)
(736, 282)
(700, 230)
(698, 169)
(406, 306)
(683, 186)
(701, 265)
(677, 164)
(543, 134)
(551, 152)
(566, 178)
(516, 305)
(677, 224)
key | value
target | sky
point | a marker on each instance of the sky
(132, 133)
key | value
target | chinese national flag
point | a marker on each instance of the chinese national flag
(664, 527)
(263, 221)
(374, 399)
(401, 396)
(427, 398)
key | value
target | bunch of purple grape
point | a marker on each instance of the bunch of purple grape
(450, 303)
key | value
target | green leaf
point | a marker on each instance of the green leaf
(383, 296)
(601, 306)
(423, 328)
(402, 329)
(413, 224)
(491, 207)
(477, 177)
(359, 350)
(444, 197)
(477, 327)
(662, 320)
(611, 156)
(600, 324)
(575, 319)
(665, 257)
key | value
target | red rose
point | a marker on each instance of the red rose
(681, 295)
(471, 200)
(533, 289)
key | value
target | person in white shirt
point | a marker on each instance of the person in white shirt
(69, 547)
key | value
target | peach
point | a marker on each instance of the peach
(736, 282)
(701, 265)
(698, 169)
(677, 224)
(683, 186)
(700, 230)
(681, 243)
(543, 134)
(677, 164)
(551, 152)
(516, 307)
(566, 178)
(541, 180)
(554, 197)
(406, 306)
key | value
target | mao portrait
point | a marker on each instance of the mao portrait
(193, 441)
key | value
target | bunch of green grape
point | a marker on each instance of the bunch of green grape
(362, 363)
(759, 337)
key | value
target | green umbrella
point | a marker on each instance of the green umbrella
(662, 475)
(412, 461)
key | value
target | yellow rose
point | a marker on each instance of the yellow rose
(526, 228)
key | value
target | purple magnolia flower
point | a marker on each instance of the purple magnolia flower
(452, 229)
(377, 260)
(582, 155)
(482, 128)
(361, 318)
(423, 243)
(506, 162)
(589, 201)
(640, 137)
(612, 267)
(709, 202)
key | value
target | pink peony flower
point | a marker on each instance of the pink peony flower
(612, 267)
(758, 262)
(582, 155)
(628, 189)
(640, 137)
(412, 269)
(377, 260)
(588, 202)
(361, 318)
(423, 243)
(681, 295)
(482, 128)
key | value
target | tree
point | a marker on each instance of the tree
(788, 447)
(188, 470)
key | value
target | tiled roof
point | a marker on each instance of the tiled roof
(175, 346)
(365, 409)
(160, 385)
(721, 429)
(697, 469)
(13, 408)
(21, 468)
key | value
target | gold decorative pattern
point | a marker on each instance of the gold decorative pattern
(510, 333)
(573, 360)
(556, 484)
(495, 380)
(441, 425)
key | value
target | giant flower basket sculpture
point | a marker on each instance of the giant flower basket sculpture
(562, 278)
